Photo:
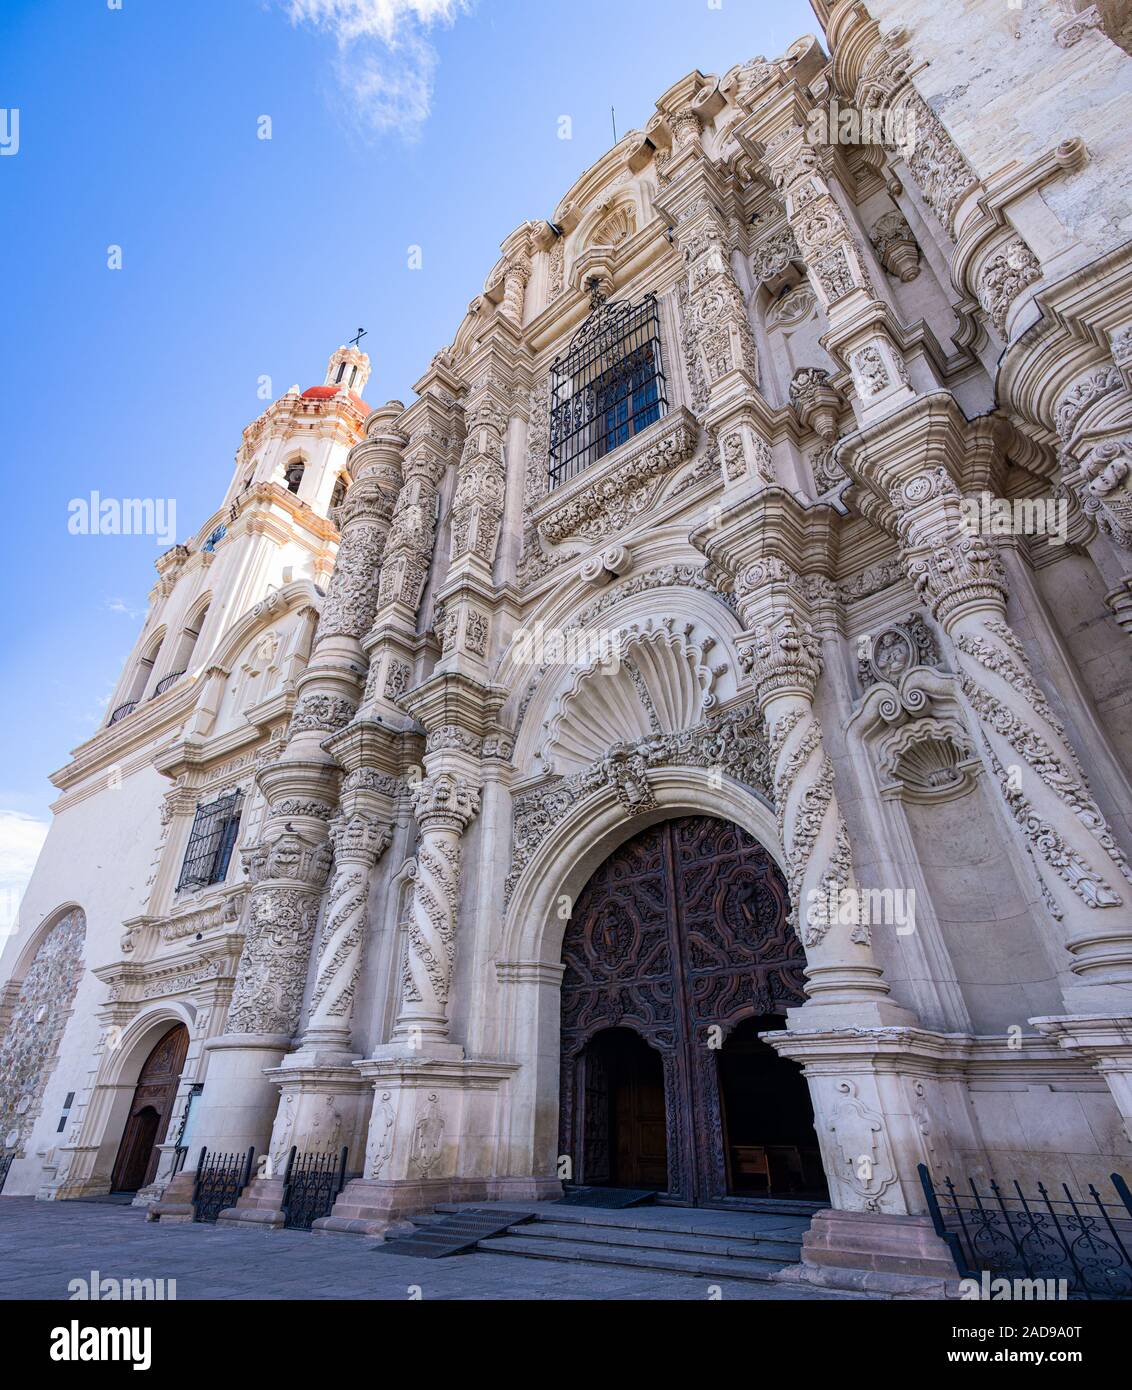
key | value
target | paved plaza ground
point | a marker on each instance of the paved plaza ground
(45, 1245)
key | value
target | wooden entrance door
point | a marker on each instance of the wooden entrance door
(150, 1108)
(678, 937)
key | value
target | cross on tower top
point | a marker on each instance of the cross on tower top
(356, 340)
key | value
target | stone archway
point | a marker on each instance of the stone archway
(678, 937)
(150, 1109)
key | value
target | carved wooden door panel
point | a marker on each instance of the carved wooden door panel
(679, 936)
(136, 1163)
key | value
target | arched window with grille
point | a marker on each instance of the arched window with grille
(608, 387)
(186, 645)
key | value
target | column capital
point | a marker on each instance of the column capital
(360, 838)
(957, 574)
(444, 801)
(783, 658)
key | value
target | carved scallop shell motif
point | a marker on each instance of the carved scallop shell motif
(931, 765)
(659, 683)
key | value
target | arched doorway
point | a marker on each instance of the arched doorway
(677, 939)
(150, 1108)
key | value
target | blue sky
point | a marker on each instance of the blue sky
(394, 123)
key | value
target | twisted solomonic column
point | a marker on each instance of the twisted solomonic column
(1085, 880)
(359, 840)
(444, 804)
(785, 664)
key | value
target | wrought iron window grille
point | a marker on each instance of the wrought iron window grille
(1085, 1241)
(211, 841)
(607, 388)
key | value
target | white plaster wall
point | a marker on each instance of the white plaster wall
(98, 854)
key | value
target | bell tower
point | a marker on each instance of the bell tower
(348, 369)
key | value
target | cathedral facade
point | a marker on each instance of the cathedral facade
(689, 746)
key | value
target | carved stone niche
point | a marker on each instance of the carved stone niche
(927, 760)
(923, 749)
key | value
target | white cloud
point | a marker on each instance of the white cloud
(21, 839)
(117, 605)
(385, 64)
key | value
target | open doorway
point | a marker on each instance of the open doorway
(625, 1141)
(768, 1120)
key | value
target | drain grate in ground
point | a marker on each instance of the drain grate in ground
(610, 1198)
(455, 1234)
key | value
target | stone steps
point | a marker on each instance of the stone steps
(776, 1252)
(697, 1264)
(451, 1232)
(696, 1242)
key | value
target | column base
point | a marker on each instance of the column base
(875, 1252)
(817, 1016)
(260, 1204)
(428, 1050)
(176, 1204)
(1105, 1042)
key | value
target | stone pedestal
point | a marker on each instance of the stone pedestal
(1105, 1042)
(435, 1135)
(885, 1100)
(176, 1204)
(878, 1253)
(320, 1110)
(241, 1096)
(260, 1204)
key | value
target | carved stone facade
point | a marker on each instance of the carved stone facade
(764, 593)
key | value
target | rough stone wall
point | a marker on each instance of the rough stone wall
(1008, 92)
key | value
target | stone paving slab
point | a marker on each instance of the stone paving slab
(47, 1244)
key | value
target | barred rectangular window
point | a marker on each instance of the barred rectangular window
(607, 388)
(211, 840)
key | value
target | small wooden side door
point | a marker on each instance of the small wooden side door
(150, 1109)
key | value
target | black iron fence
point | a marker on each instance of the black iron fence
(5, 1164)
(1084, 1241)
(311, 1185)
(165, 682)
(220, 1178)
